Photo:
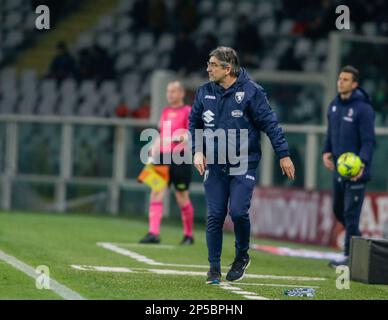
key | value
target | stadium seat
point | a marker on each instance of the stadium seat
(286, 27)
(87, 88)
(369, 28)
(303, 47)
(207, 25)
(125, 62)
(264, 9)
(13, 20)
(281, 47)
(225, 8)
(87, 109)
(205, 7)
(227, 27)
(27, 104)
(68, 86)
(226, 40)
(124, 7)
(112, 99)
(8, 81)
(148, 62)
(144, 42)
(107, 87)
(165, 43)
(8, 104)
(105, 23)
(13, 39)
(165, 61)
(321, 47)
(106, 40)
(311, 65)
(13, 4)
(66, 106)
(125, 42)
(28, 82)
(85, 40)
(48, 86)
(267, 27)
(29, 24)
(123, 24)
(245, 8)
(268, 63)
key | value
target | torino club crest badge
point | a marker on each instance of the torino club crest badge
(239, 96)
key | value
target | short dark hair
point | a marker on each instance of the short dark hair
(227, 56)
(350, 69)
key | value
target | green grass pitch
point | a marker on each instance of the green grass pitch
(62, 240)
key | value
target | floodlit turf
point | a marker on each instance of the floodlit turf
(59, 241)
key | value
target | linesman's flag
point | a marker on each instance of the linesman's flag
(156, 177)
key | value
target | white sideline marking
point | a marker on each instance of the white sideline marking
(255, 297)
(103, 269)
(55, 286)
(276, 285)
(226, 287)
(128, 253)
(169, 271)
(245, 294)
(185, 273)
(144, 245)
(144, 259)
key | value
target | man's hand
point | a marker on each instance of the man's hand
(328, 160)
(200, 162)
(355, 178)
(287, 167)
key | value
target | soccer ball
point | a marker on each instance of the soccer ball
(349, 164)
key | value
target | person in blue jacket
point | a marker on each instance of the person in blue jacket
(235, 109)
(350, 129)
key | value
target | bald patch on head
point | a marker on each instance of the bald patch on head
(177, 84)
(175, 93)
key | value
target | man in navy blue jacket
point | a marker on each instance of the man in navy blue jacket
(231, 109)
(350, 129)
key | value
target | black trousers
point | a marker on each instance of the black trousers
(348, 197)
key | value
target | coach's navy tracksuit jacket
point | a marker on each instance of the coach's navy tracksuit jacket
(242, 106)
(350, 129)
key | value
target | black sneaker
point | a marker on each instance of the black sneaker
(150, 238)
(213, 276)
(337, 263)
(187, 240)
(238, 268)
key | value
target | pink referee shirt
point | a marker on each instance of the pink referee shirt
(174, 122)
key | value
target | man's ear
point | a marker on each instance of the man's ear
(230, 70)
(354, 85)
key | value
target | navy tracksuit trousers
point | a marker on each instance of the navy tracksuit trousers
(223, 191)
(348, 197)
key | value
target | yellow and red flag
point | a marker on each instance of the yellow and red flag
(156, 177)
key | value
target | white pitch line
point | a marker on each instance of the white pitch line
(180, 273)
(275, 285)
(227, 287)
(144, 259)
(239, 291)
(145, 245)
(273, 277)
(251, 297)
(128, 253)
(55, 286)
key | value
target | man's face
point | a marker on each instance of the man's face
(216, 71)
(174, 93)
(345, 83)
